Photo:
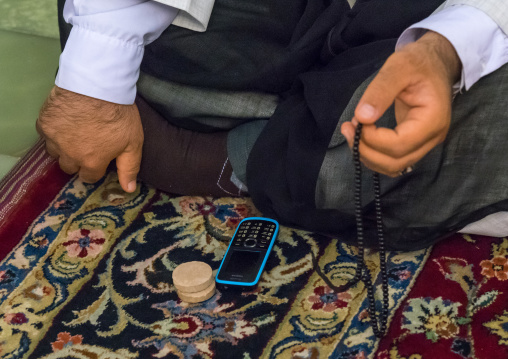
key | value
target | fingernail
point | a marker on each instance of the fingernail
(131, 187)
(346, 133)
(366, 111)
(354, 121)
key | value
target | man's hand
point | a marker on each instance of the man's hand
(85, 134)
(419, 79)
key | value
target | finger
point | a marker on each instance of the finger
(68, 165)
(127, 165)
(390, 166)
(404, 139)
(92, 172)
(382, 91)
(348, 131)
(52, 149)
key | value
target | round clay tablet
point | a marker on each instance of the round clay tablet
(192, 277)
(197, 297)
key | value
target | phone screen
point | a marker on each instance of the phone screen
(242, 264)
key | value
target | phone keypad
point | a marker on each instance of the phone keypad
(254, 234)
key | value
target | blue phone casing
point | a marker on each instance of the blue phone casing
(262, 266)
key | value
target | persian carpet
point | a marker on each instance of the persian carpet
(87, 274)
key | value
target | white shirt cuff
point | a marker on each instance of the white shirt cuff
(106, 45)
(480, 44)
(99, 66)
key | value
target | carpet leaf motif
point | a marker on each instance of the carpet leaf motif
(499, 327)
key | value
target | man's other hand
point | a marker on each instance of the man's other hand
(85, 134)
(418, 79)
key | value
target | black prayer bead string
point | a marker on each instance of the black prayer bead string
(378, 323)
(362, 273)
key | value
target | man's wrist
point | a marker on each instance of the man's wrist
(445, 52)
(477, 39)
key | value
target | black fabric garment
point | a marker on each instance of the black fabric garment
(285, 161)
(314, 54)
(258, 45)
(64, 28)
(263, 45)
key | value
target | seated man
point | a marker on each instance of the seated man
(267, 99)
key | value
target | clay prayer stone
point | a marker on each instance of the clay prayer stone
(194, 281)
(197, 297)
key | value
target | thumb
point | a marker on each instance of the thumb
(127, 164)
(381, 92)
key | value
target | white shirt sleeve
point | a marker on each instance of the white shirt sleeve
(481, 44)
(105, 47)
(194, 14)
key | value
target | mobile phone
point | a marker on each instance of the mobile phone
(248, 252)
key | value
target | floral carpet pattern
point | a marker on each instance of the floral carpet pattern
(90, 277)
(458, 307)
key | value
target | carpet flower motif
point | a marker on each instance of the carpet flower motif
(183, 326)
(394, 354)
(227, 213)
(353, 354)
(437, 318)
(37, 291)
(64, 340)
(83, 243)
(7, 276)
(326, 299)
(16, 318)
(399, 273)
(497, 267)
(302, 352)
(188, 331)
(207, 208)
(197, 206)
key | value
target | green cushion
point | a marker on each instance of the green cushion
(37, 17)
(27, 71)
(6, 163)
(27, 68)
